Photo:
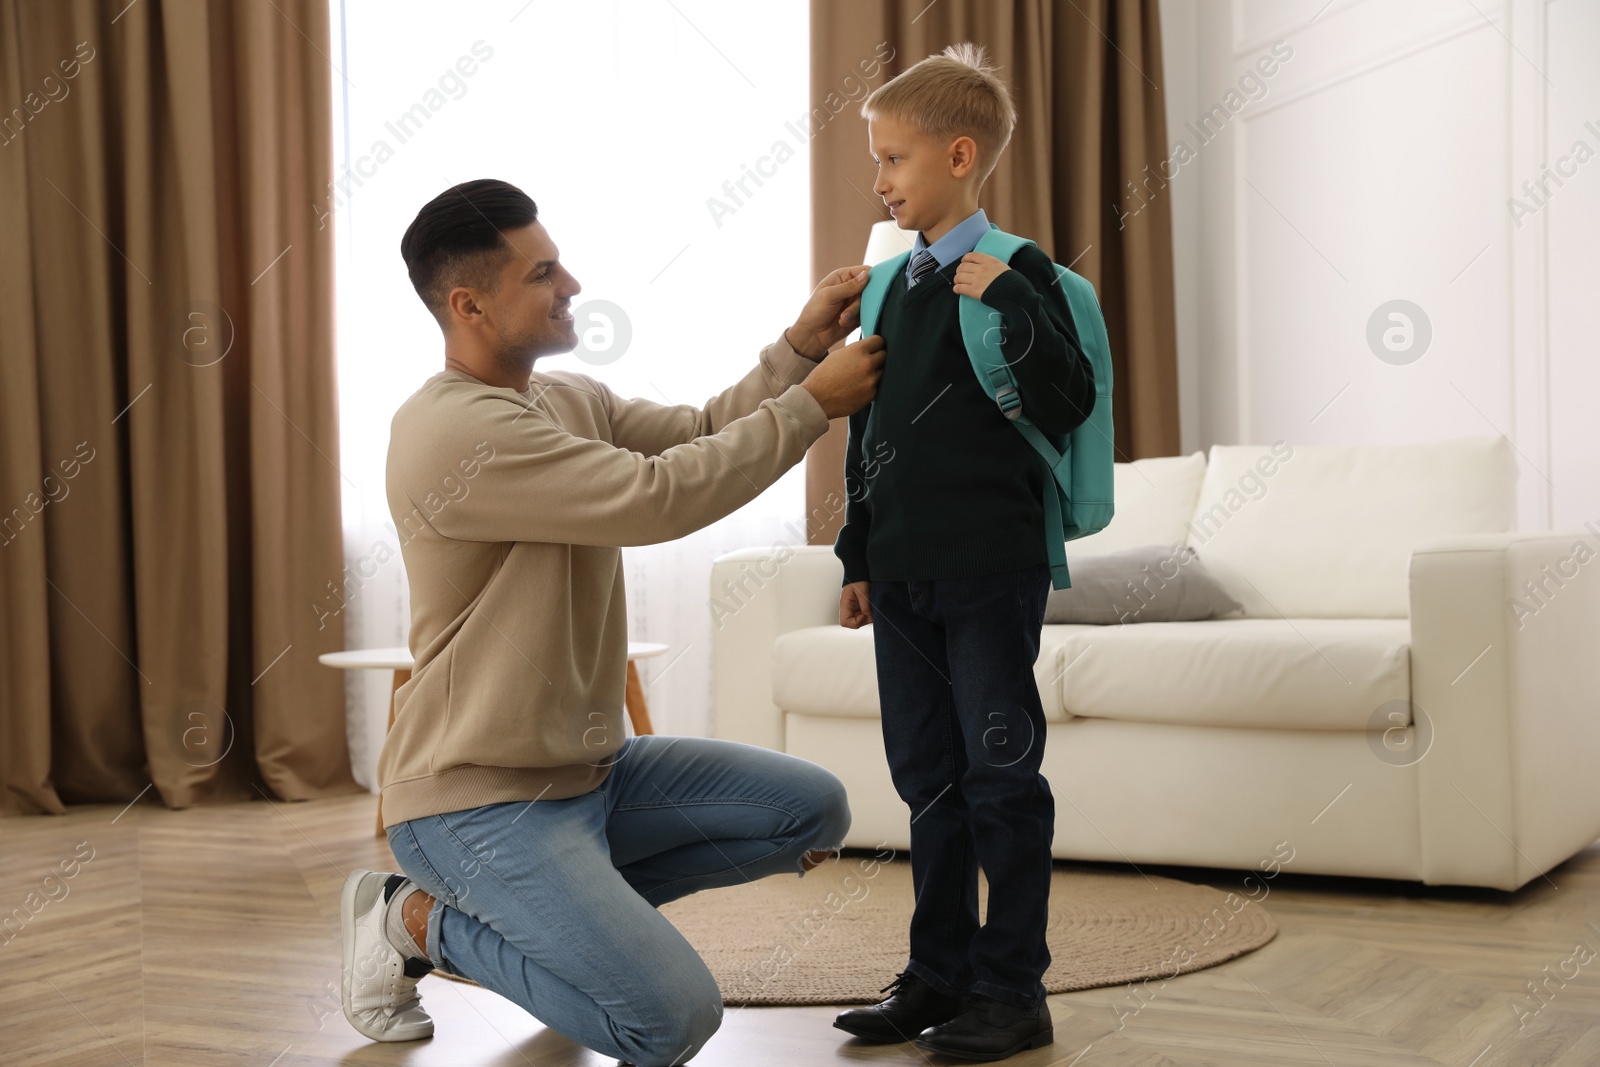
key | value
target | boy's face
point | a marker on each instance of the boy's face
(918, 177)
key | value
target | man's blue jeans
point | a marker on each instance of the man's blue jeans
(552, 904)
(964, 730)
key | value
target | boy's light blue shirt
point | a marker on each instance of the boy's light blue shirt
(962, 238)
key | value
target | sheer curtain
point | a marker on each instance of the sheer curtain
(665, 144)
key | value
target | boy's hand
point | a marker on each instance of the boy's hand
(977, 270)
(832, 312)
(854, 610)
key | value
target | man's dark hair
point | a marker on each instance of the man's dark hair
(455, 239)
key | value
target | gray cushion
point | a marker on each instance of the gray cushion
(1153, 583)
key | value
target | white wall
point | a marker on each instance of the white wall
(1375, 163)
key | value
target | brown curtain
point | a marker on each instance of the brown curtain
(169, 501)
(1086, 78)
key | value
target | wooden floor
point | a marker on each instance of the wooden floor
(210, 937)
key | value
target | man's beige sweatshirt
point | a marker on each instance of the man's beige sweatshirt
(511, 507)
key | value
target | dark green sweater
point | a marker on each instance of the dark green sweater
(938, 482)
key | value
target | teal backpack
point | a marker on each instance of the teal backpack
(1080, 463)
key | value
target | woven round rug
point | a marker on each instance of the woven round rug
(838, 935)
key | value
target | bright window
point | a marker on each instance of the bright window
(629, 123)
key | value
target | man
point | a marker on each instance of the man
(536, 840)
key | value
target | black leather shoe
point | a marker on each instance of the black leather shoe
(990, 1030)
(911, 1007)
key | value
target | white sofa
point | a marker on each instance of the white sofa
(1374, 580)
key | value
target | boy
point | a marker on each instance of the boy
(944, 548)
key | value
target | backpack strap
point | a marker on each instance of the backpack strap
(1054, 528)
(983, 336)
(983, 344)
(877, 286)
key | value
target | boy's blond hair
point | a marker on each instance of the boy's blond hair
(953, 94)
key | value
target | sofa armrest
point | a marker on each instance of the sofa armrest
(756, 595)
(1505, 664)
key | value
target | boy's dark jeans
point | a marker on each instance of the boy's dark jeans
(964, 730)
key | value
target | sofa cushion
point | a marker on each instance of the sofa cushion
(831, 671)
(1155, 501)
(1327, 531)
(1156, 583)
(1310, 674)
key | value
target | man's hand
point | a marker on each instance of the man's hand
(977, 270)
(854, 610)
(847, 379)
(832, 312)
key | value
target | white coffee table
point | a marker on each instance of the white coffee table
(398, 659)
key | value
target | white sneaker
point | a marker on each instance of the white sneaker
(380, 981)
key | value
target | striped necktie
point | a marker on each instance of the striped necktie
(925, 264)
